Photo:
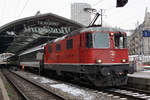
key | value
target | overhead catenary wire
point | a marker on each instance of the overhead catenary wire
(100, 2)
(17, 5)
(23, 8)
(95, 4)
(109, 9)
(3, 10)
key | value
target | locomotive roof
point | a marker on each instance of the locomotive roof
(101, 29)
(87, 29)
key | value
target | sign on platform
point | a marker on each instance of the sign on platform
(146, 33)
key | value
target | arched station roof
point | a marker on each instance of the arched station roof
(19, 35)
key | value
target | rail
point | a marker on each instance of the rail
(28, 90)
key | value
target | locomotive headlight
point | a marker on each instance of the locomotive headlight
(99, 61)
(124, 60)
(111, 34)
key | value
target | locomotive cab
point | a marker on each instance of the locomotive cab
(107, 52)
(105, 47)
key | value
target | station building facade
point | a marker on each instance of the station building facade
(139, 41)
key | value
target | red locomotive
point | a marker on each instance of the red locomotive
(95, 54)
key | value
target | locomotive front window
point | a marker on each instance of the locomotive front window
(120, 40)
(101, 40)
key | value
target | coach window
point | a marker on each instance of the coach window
(89, 41)
(69, 44)
(50, 49)
(58, 47)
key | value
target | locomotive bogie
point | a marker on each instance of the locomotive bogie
(99, 75)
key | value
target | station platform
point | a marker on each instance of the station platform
(3, 92)
(140, 80)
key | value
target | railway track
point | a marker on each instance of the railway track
(29, 90)
(129, 93)
(135, 90)
(69, 92)
(66, 90)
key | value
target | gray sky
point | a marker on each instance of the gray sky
(125, 17)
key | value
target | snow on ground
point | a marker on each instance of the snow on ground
(142, 74)
(148, 71)
(74, 91)
(34, 77)
(43, 80)
(63, 89)
(67, 89)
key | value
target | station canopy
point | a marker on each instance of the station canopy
(22, 34)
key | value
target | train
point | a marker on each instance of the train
(94, 55)
(97, 55)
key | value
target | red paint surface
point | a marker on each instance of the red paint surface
(80, 54)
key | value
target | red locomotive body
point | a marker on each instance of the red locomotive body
(98, 55)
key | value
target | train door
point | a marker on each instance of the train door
(45, 54)
(72, 47)
(85, 44)
(77, 45)
(81, 49)
(58, 52)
